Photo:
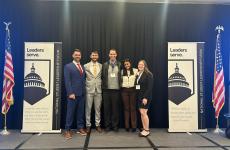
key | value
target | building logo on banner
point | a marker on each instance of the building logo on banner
(34, 87)
(179, 88)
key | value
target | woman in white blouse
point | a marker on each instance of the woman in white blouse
(129, 95)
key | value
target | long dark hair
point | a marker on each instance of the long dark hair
(125, 72)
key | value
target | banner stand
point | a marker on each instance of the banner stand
(186, 87)
(42, 87)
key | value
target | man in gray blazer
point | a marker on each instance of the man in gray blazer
(93, 91)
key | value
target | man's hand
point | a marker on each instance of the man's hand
(72, 96)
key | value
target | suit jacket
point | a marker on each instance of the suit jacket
(146, 84)
(93, 84)
(105, 69)
(74, 82)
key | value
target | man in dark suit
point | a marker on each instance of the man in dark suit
(111, 83)
(74, 74)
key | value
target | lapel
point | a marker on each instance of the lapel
(100, 70)
(76, 68)
(87, 67)
(143, 76)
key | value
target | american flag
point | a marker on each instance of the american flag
(218, 95)
(8, 81)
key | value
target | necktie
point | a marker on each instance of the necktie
(94, 70)
(80, 69)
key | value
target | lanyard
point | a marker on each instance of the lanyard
(139, 77)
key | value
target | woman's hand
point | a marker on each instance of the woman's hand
(144, 101)
(72, 96)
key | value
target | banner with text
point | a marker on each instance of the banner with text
(185, 87)
(42, 87)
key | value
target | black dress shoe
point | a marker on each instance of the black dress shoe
(107, 129)
(127, 129)
(115, 129)
(133, 129)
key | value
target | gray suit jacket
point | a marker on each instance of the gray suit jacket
(93, 84)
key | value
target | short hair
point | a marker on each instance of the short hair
(113, 49)
(76, 50)
(95, 52)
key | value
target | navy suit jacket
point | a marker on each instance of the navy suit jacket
(74, 82)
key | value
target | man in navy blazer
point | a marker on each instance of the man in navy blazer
(74, 74)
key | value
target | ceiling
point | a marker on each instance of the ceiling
(227, 2)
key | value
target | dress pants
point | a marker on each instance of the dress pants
(129, 104)
(91, 98)
(111, 104)
(76, 106)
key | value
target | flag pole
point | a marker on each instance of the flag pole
(5, 131)
(217, 130)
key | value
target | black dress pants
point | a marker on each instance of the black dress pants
(111, 104)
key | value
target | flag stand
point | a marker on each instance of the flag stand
(5, 131)
(218, 130)
(8, 80)
(217, 100)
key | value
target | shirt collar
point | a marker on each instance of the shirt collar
(93, 63)
(76, 63)
(113, 63)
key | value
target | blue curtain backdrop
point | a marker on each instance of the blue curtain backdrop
(136, 30)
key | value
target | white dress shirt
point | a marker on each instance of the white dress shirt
(92, 67)
(129, 80)
(76, 64)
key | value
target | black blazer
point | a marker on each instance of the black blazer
(146, 85)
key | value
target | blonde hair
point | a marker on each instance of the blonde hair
(146, 68)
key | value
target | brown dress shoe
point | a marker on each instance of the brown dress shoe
(88, 129)
(68, 135)
(82, 132)
(98, 128)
